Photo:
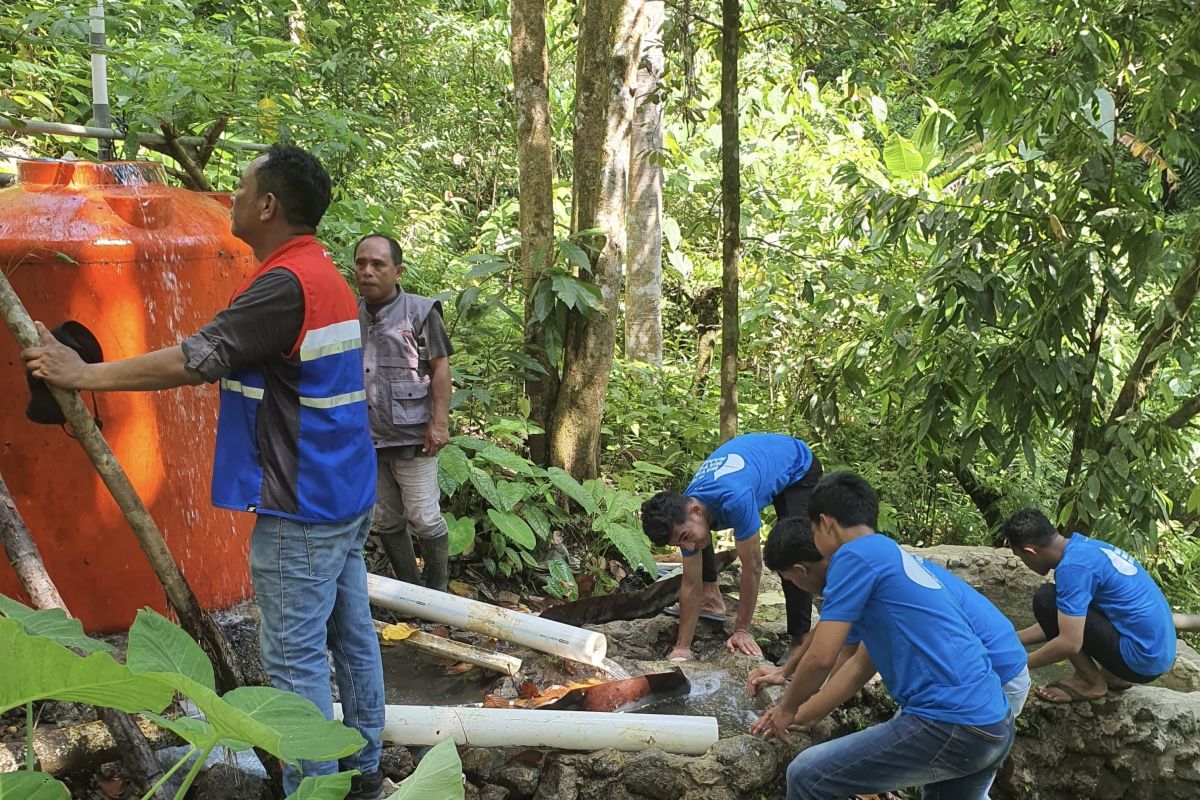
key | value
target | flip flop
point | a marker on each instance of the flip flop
(711, 616)
(1073, 695)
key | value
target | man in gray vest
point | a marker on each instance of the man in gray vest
(406, 365)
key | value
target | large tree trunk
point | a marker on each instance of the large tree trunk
(643, 281)
(609, 33)
(535, 169)
(731, 216)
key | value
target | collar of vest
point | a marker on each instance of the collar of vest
(290, 246)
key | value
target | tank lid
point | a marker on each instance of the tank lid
(88, 173)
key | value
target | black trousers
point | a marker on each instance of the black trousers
(1101, 640)
(791, 502)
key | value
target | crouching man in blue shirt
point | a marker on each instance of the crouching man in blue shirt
(1101, 609)
(955, 726)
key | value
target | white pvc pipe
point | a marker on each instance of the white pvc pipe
(533, 632)
(562, 730)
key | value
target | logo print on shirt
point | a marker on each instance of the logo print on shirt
(916, 571)
(1122, 562)
(733, 463)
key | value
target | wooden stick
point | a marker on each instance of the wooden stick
(83, 428)
(129, 742)
(459, 651)
(78, 747)
(24, 557)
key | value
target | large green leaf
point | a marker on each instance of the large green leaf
(486, 487)
(284, 724)
(454, 468)
(437, 777)
(39, 669)
(52, 624)
(461, 531)
(631, 543)
(514, 528)
(324, 787)
(33, 786)
(158, 645)
(902, 158)
(571, 488)
(510, 493)
(506, 458)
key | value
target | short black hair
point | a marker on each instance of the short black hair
(790, 543)
(299, 183)
(1027, 527)
(393, 245)
(660, 515)
(846, 497)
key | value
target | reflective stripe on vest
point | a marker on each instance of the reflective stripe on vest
(336, 338)
(237, 387)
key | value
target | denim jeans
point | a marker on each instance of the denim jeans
(310, 582)
(952, 762)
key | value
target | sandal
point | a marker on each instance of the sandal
(1073, 695)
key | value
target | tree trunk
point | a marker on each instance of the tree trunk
(643, 281)
(731, 216)
(609, 33)
(535, 169)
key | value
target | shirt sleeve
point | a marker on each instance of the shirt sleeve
(1074, 587)
(432, 338)
(741, 513)
(263, 321)
(848, 587)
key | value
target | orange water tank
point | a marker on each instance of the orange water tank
(143, 265)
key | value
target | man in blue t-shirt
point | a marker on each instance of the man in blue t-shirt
(955, 726)
(791, 552)
(729, 490)
(1101, 609)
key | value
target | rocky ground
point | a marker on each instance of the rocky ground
(1142, 743)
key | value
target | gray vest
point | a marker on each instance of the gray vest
(396, 370)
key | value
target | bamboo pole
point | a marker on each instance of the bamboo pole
(34, 127)
(83, 428)
(459, 651)
(123, 735)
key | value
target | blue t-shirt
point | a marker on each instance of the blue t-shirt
(744, 475)
(994, 630)
(930, 659)
(1097, 573)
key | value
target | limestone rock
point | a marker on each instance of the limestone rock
(519, 779)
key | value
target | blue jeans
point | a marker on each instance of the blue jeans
(952, 762)
(311, 585)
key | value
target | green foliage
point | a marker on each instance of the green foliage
(508, 506)
(162, 660)
(437, 777)
(31, 786)
(52, 624)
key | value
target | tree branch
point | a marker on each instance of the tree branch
(175, 150)
(1087, 393)
(1182, 415)
(985, 499)
(1146, 363)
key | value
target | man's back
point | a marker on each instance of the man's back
(1092, 571)
(931, 660)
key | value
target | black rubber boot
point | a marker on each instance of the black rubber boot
(399, 549)
(437, 554)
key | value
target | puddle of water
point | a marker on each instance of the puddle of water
(412, 678)
(717, 694)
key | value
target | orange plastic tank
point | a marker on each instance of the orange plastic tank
(143, 265)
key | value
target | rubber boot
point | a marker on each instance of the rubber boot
(399, 549)
(436, 553)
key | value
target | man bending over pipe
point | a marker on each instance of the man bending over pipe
(729, 490)
(1101, 609)
(955, 725)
